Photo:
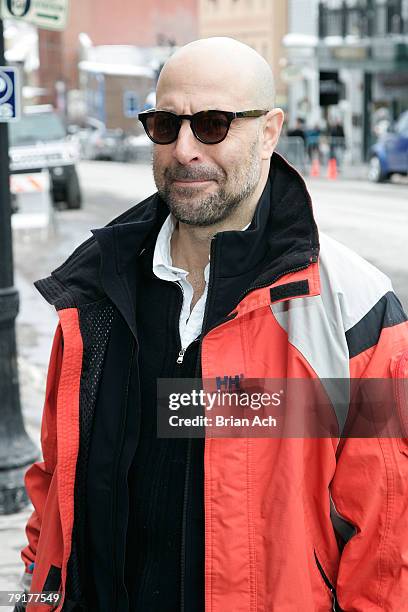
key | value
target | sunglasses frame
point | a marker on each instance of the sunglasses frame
(230, 116)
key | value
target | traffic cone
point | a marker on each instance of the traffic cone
(315, 169)
(332, 173)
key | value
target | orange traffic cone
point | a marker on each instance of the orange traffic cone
(332, 169)
(315, 169)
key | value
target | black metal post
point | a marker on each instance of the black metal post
(371, 16)
(368, 98)
(16, 449)
(322, 20)
(344, 19)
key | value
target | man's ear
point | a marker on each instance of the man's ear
(271, 131)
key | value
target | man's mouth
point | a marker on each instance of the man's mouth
(192, 182)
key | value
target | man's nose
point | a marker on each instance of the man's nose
(187, 147)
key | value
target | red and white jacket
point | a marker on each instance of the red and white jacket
(274, 508)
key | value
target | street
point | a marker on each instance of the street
(371, 219)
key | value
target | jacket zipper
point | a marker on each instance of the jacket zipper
(186, 482)
(183, 527)
(181, 356)
(335, 605)
(115, 488)
(182, 350)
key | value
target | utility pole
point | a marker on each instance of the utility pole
(17, 451)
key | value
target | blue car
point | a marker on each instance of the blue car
(390, 154)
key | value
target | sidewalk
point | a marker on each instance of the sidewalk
(351, 172)
(35, 326)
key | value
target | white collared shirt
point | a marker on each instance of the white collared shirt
(190, 324)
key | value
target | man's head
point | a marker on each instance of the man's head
(204, 184)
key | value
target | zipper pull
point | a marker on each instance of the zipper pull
(181, 356)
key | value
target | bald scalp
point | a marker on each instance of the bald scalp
(228, 60)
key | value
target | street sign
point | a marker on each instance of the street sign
(131, 104)
(330, 88)
(10, 108)
(46, 14)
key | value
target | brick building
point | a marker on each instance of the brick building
(129, 22)
(262, 24)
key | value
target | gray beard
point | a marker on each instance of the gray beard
(215, 207)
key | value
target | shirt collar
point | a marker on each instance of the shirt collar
(162, 260)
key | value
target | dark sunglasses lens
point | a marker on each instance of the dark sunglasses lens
(211, 127)
(162, 127)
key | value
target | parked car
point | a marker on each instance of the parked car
(138, 148)
(98, 142)
(389, 155)
(81, 134)
(110, 145)
(40, 141)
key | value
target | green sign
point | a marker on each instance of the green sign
(46, 14)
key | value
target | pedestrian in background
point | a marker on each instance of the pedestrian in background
(312, 136)
(299, 130)
(337, 141)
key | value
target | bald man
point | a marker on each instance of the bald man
(219, 276)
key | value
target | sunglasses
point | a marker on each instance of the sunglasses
(209, 127)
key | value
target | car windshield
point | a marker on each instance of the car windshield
(38, 127)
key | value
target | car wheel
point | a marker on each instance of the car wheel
(375, 171)
(73, 192)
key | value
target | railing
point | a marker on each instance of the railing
(302, 154)
(368, 18)
(293, 149)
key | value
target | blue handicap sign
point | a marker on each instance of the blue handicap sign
(9, 94)
(131, 104)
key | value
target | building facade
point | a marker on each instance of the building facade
(364, 46)
(261, 24)
(129, 22)
(301, 70)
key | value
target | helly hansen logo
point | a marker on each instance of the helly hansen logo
(229, 383)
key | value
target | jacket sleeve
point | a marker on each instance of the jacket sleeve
(370, 486)
(38, 476)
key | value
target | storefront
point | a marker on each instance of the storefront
(366, 45)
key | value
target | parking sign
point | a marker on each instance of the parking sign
(48, 14)
(131, 104)
(9, 94)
